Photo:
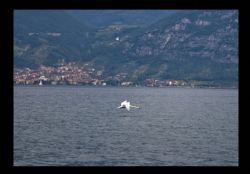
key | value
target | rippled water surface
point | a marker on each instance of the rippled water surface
(80, 126)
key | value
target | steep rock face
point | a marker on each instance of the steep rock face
(202, 34)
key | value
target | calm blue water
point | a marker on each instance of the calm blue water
(80, 126)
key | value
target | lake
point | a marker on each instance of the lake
(81, 126)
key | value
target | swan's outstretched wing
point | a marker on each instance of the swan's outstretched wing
(135, 106)
(124, 102)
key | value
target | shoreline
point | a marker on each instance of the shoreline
(109, 86)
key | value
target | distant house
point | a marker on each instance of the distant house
(126, 83)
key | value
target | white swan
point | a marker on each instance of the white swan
(127, 105)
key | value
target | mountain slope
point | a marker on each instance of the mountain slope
(201, 45)
(197, 45)
(45, 36)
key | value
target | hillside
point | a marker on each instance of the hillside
(188, 45)
(46, 36)
(198, 45)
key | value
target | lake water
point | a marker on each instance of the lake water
(81, 126)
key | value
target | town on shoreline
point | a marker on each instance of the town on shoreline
(85, 75)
